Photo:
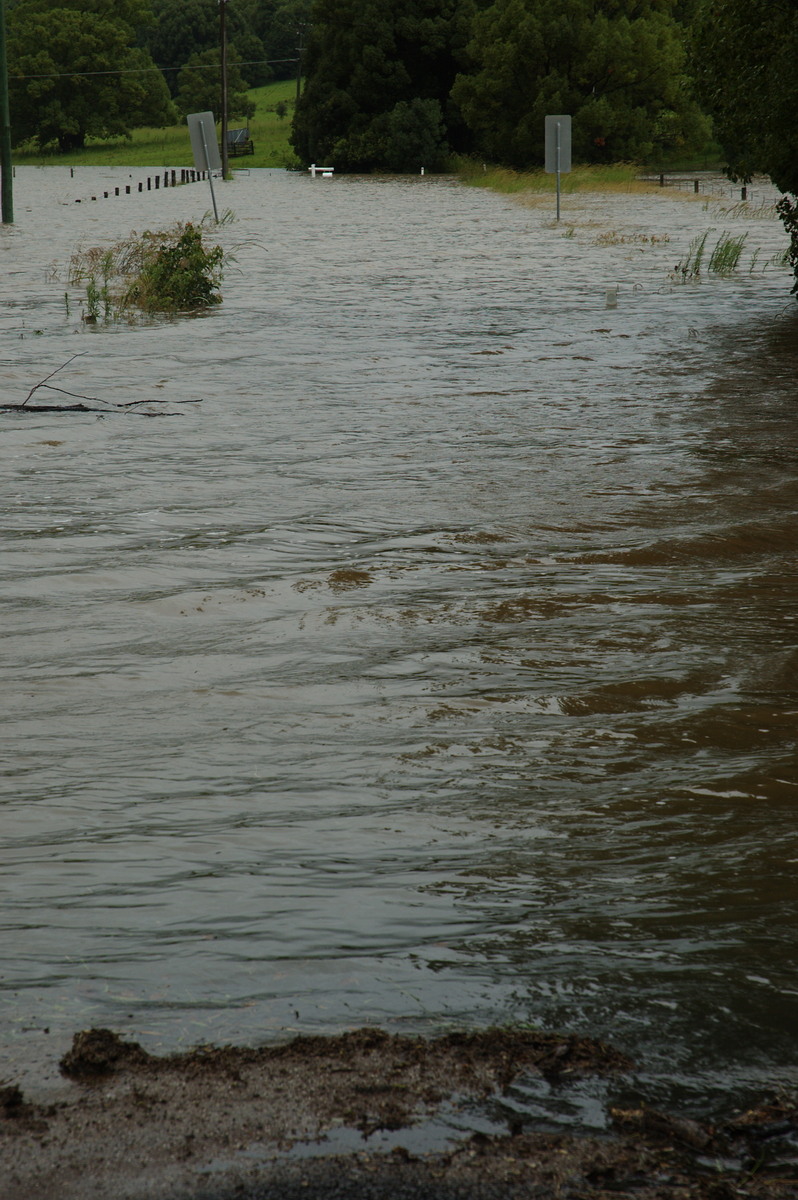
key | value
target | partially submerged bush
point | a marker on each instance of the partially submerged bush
(170, 271)
(178, 276)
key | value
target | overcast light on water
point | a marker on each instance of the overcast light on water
(432, 659)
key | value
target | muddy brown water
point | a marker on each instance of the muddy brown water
(438, 668)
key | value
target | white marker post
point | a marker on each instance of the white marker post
(202, 131)
(558, 149)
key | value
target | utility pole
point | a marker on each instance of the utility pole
(6, 185)
(300, 48)
(223, 58)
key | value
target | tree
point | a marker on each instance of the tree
(411, 135)
(76, 73)
(183, 28)
(618, 67)
(200, 86)
(746, 61)
(281, 25)
(251, 55)
(379, 73)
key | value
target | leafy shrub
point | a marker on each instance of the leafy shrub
(169, 271)
(178, 276)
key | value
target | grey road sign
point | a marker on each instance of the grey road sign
(558, 137)
(202, 131)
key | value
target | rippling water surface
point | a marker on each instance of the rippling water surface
(440, 665)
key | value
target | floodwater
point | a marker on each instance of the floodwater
(436, 665)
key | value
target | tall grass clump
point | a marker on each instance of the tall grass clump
(725, 257)
(691, 267)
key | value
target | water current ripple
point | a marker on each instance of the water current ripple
(440, 666)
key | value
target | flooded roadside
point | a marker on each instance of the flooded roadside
(370, 1114)
(438, 666)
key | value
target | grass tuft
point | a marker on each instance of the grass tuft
(724, 258)
(691, 267)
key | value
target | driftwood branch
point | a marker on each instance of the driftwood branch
(42, 382)
(85, 403)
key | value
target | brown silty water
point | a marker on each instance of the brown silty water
(438, 665)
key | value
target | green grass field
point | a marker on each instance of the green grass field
(170, 147)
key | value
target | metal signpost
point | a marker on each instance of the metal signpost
(202, 131)
(558, 149)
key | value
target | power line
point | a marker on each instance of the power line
(257, 62)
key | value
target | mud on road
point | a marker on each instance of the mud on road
(225, 1123)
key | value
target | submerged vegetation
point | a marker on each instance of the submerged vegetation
(169, 271)
(724, 258)
(612, 177)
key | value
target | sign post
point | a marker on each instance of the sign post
(558, 149)
(202, 131)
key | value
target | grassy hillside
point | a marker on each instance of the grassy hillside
(170, 147)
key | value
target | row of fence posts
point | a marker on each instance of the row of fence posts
(697, 187)
(154, 182)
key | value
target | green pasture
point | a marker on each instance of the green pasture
(170, 147)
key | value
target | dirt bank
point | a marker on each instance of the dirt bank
(224, 1123)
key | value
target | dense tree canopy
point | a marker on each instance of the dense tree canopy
(181, 28)
(282, 26)
(380, 74)
(76, 72)
(87, 68)
(184, 28)
(261, 33)
(746, 54)
(617, 66)
(746, 61)
(200, 86)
